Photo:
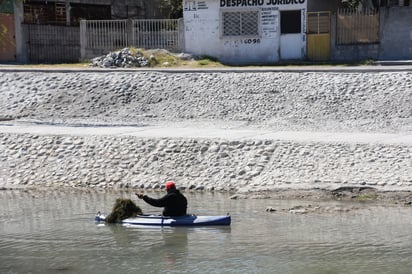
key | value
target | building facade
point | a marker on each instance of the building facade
(246, 31)
(232, 31)
(281, 31)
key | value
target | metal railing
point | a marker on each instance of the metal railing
(357, 27)
(101, 36)
(156, 34)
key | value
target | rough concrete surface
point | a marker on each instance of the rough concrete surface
(208, 130)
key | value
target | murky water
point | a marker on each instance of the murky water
(54, 232)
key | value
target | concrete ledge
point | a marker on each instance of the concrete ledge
(377, 67)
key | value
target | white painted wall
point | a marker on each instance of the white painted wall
(203, 37)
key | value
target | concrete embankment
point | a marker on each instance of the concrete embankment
(209, 164)
(348, 105)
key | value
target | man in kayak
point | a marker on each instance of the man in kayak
(174, 203)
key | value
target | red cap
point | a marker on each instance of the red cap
(170, 185)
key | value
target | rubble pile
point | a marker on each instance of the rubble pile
(123, 58)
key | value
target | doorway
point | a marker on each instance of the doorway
(290, 34)
(318, 28)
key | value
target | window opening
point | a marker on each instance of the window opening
(290, 21)
(240, 23)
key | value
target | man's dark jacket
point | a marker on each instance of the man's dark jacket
(174, 203)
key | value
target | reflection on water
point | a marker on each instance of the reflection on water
(54, 232)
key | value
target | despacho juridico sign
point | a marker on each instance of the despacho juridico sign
(254, 3)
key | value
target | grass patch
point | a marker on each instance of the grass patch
(208, 61)
(163, 58)
(367, 197)
(160, 58)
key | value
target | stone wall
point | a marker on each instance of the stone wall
(200, 164)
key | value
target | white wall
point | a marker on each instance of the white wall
(203, 37)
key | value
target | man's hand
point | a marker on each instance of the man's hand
(139, 195)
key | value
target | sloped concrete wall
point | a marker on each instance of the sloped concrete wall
(200, 164)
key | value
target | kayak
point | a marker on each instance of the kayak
(187, 220)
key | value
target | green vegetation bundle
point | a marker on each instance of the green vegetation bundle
(122, 209)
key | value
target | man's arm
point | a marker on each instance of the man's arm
(153, 202)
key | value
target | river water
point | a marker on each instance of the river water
(54, 232)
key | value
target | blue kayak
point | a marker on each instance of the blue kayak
(187, 220)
